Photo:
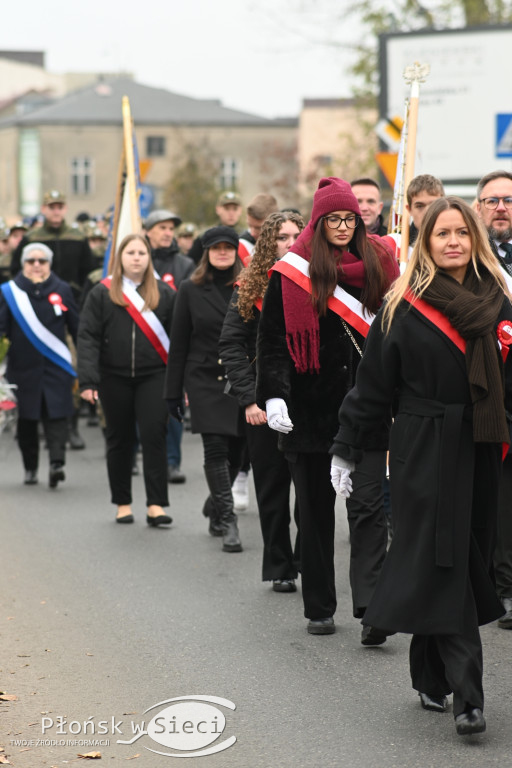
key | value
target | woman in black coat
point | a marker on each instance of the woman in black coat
(194, 366)
(306, 358)
(123, 343)
(434, 351)
(237, 348)
(36, 311)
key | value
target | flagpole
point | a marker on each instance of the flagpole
(112, 243)
(130, 166)
(413, 76)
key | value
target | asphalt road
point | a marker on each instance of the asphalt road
(101, 622)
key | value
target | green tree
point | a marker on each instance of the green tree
(193, 189)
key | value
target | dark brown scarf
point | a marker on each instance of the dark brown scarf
(473, 309)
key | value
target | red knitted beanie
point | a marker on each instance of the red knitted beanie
(333, 194)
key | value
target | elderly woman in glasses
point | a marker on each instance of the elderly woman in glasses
(36, 310)
(317, 309)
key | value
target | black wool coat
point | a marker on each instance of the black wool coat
(443, 486)
(194, 364)
(313, 399)
(237, 350)
(110, 342)
(34, 374)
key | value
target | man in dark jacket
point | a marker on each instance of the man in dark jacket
(367, 192)
(169, 262)
(228, 210)
(173, 267)
(72, 262)
(72, 257)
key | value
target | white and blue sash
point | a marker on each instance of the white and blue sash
(40, 337)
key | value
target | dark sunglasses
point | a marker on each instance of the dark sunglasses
(36, 261)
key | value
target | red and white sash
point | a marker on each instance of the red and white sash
(437, 318)
(346, 306)
(245, 251)
(146, 320)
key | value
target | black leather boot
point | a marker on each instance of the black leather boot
(219, 483)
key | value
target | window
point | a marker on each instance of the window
(229, 173)
(155, 146)
(82, 169)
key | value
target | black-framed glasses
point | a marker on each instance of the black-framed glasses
(491, 203)
(335, 222)
(35, 261)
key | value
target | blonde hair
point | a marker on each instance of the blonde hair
(421, 268)
(149, 286)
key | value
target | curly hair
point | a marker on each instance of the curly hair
(254, 278)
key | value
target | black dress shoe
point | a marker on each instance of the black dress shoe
(30, 477)
(506, 620)
(373, 636)
(56, 475)
(158, 520)
(321, 626)
(433, 703)
(125, 519)
(470, 722)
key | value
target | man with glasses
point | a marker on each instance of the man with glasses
(494, 206)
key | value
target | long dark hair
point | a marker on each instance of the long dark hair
(323, 268)
(203, 273)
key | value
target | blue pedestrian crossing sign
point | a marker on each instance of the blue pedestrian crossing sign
(503, 135)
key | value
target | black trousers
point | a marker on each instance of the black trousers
(55, 432)
(503, 551)
(368, 528)
(311, 475)
(272, 481)
(127, 401)
(442, 664)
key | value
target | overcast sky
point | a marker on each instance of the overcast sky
(260, 56)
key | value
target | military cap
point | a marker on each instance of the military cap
(19, 225)
(229, 198)
(54, 196)
(186, 230)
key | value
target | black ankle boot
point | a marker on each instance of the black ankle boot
(219, 483)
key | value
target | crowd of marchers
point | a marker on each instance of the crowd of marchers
(316, 354)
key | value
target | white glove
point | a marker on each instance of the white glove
(277, 415)
(340, 476)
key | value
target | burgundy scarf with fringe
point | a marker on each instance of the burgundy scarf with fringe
(300, 316)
